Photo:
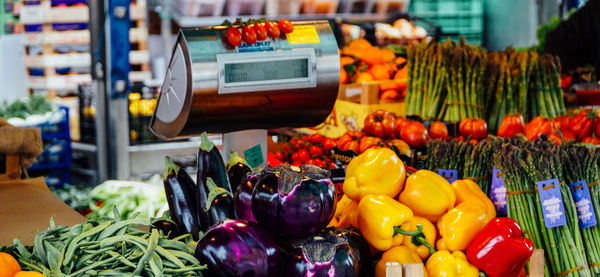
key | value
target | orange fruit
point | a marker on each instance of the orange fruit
(364, 77)
(380, 72)
(359, 43)
(387, 55)
(400, 60)
(29, 274)
(345, 60)
(383, 86)
(401, 74)
(343, 76)
(8, 265)
(389, 95)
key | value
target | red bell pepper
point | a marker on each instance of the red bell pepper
(500, 249)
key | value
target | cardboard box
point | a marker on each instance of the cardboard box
(349, 116)
(26, 207)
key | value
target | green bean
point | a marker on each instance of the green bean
(156, 270)
(121, 259)
(73, 245)
(114, 228)
(148, 253)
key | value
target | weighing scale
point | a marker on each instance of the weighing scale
(211, 86)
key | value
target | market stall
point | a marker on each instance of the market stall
(321, 139)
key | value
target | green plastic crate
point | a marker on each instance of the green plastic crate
(455, 17)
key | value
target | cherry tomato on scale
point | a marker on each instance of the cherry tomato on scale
(285, 26)
(261, 31)
(249, 34)
(272, 29)
(234, 36)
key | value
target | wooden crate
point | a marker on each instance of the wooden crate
(13, 168)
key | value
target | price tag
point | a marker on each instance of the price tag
(32, 14)
(254, 156)
(353, 91)
(583, 203)
(498, 192)
(552, 203)
(450, 175)
(265, 45)
(303, 35)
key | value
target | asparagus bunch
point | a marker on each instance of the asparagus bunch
(478, 165)
(448, 154)
(581, 163)
(523, 164)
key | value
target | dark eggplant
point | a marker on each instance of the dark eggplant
(293, 201)
(180, 190)
(167, 227)
(238, 248)
(357, 242)
(237, 169)
(210, 164)
(329, 253)
(215, 204)
(242, 199)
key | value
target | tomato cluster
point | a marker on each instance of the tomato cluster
(312, 149)
(255, 30)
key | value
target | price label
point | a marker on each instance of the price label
(583, 203)
(265, 45)
(32, 14)
(450, 175)
(498, 192)
(254, 156)
(552, 203)
(303, 35)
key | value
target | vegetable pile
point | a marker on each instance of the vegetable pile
(106, 248)
(452, 81)
(254, 30)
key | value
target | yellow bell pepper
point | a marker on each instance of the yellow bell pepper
(444, 264)
(400, 254)
(469, 191)
(428, 195)
(380, 218)
(376, 171)
(460, 225)
(423, 244)
(346, 212)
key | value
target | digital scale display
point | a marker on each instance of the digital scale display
(266, 70)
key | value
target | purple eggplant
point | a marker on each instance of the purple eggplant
(238, 248)
(215, 204)
(237, 169)
(242, 199)
(180, 190)
(167, 227)
(210, 164)
(333, 252)
(292, 201)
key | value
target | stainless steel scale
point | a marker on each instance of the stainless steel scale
(211, 86)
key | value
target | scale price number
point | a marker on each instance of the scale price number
(237, 77)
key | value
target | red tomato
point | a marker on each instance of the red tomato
(398, 125)
(249, 34)
(295, 157)
(279, 156)
(318, 162)
(234, 36)
(328, 143)
(562, 122)
(582, 125)
(297, 163)
(438, 129)
(511, 125)
(303, 155)
(350, 141)
(592, 140)
(310, 161)
(315, 150)
(272, 29)
(475, 127)
(380, 124)
(566, 135)
(370, 142)
(415, 134)
(537, 126)
(261, 31)
(598, 129)
(315, 138)
(286, 26)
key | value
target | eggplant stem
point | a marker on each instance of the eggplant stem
(205, 143)
(213, 192)
(399, 230)
(234, 158)
(170, 166)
